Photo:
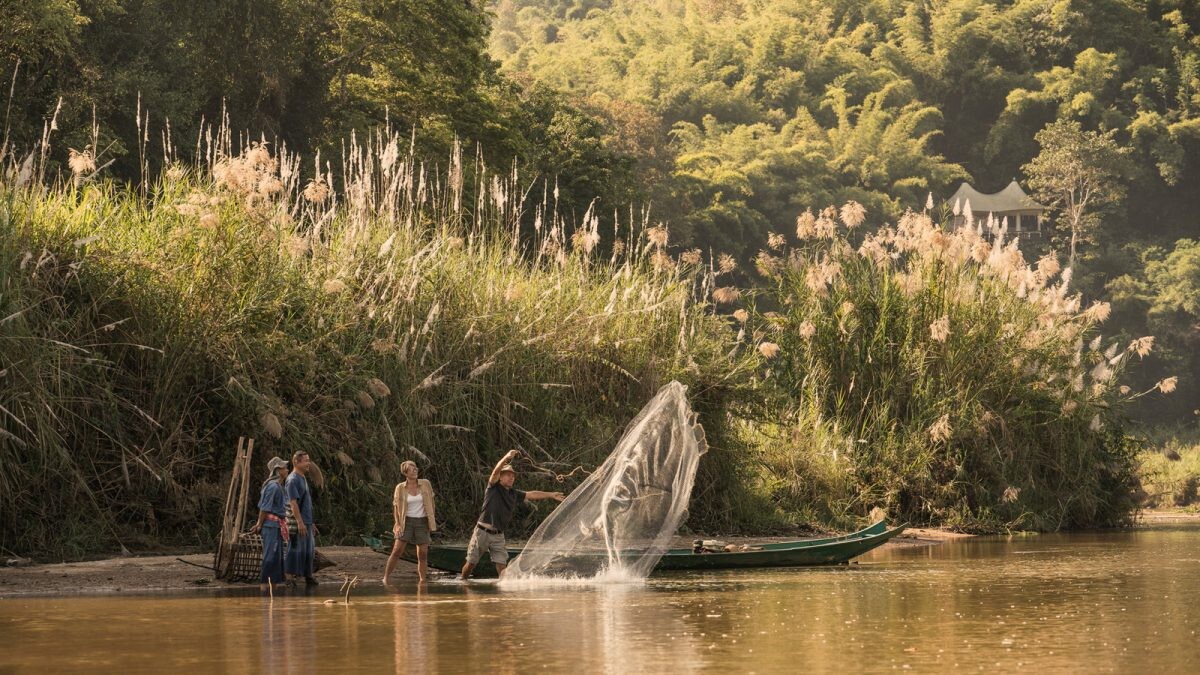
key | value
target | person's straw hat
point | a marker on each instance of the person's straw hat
(275, 463)
(509, 468)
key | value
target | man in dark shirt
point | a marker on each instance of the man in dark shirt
(499, 503)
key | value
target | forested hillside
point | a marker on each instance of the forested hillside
(743, 113)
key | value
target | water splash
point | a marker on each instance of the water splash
(615, 526)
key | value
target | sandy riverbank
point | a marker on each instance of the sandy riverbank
(137, 574)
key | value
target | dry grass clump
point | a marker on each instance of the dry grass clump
(956, 382)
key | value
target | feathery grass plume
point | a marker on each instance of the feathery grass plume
(657, 236)
(82, 164)
(726, 263)
(364, 400)
(941, 431)
(1048, 266)
(769, 350)
(726, 295)
(775, 241)
(344, 458)
(767, 264)
(315, 476)
(480, 369)
(939, 330)
(741, 315)
(1142, 346)
(297, 246)
(874, 250)
(662, 262)
(1010, 494)
(333, 286)
(377, 388)
(1069, 406)
(806, 225)
(1098, 312)
(692, 257)
(271, 423)
(853, 214)
(1124, 390)
(316, 192)
(1167, 385)
(210, 221)
(826, 226)
(806, 329)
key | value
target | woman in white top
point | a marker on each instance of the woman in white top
(413, 512)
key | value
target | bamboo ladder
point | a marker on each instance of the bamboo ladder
(234, 516)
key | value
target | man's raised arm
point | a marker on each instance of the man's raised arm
(508, 457)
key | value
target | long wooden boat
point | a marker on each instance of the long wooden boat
(803, 552)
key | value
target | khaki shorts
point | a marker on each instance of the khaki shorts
(416, 531)
(483, 540)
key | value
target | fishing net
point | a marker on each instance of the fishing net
(619, 522)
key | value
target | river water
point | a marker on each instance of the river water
(1096, 602)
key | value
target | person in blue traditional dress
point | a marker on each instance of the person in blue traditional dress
(301, 552)
(272, 523)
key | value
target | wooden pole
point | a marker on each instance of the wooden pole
(241, 515)
(224, 542)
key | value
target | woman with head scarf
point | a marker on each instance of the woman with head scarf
(272, 523)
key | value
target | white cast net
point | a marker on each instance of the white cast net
(620, 521)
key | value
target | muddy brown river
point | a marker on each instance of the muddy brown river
(1083, 602)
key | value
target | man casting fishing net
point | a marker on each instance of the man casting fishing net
(499, 503)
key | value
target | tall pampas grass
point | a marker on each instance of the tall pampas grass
(946, 376)
(363, 309)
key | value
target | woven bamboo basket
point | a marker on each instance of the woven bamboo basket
(247, 558)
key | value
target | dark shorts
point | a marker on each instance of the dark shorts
(416, 531)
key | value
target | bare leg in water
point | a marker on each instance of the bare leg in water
(468, 568)
(397, 551)
(422, 562)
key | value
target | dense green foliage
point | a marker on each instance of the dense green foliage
(140, 338)
(298, 72)
(1163, 299)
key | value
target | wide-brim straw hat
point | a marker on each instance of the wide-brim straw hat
(509, 468)
(275, 463)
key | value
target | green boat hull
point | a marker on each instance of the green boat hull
(805, 552)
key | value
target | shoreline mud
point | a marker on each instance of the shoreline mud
(190, 572)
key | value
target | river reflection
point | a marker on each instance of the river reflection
(1105, 602)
